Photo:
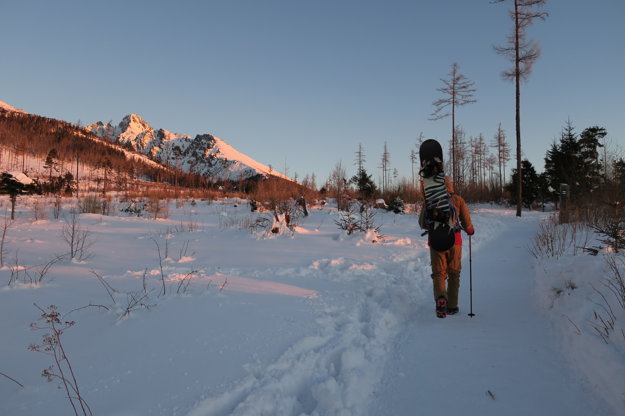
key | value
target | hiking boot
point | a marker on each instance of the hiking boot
(452, 311)
(441, 307)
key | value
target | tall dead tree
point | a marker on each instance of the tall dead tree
(386, 167)
(360, 157)
(522, 53)
(502, 150)
(458, 91)
(414, 157)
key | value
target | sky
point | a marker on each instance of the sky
(299, 85)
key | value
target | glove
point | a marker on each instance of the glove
(470, 231)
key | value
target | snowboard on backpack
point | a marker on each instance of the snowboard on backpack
(440, 215)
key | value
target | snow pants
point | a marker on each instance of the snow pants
(446, 266)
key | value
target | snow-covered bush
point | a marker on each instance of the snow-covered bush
(359, 217)
(348, 221)
(281, 224)
(396, 205)
(135, 208)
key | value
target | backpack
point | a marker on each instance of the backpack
(441, 218)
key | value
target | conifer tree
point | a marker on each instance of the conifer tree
(530, 182)
(364, 183)
(51, 162)
(589, 153)
(14, 187)
(362, 180)
(619, 175)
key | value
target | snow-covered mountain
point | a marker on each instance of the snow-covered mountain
(204, 154)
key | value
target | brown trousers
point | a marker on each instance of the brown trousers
(446, 267)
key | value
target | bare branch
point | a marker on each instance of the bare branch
(107, 286)
(12, 379)
(458, 90)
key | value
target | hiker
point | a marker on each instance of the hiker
(446, 265)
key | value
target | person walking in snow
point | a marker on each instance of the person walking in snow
(446, 265)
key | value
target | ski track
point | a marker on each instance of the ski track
(335, 371)
(338, 370)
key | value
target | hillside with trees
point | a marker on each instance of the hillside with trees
(65, 157)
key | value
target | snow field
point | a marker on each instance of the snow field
(311, 322)
(291, 324)
(573, 292)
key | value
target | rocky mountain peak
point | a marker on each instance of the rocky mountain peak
(134, 122)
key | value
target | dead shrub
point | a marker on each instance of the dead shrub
(554, 239)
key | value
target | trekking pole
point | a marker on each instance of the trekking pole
(471, 314)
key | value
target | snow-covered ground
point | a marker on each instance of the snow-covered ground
(311, 322)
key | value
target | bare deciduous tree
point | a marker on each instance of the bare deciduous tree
(337, 185)
(522, 53)
(458, 91)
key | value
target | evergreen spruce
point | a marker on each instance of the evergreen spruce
(365, 185)
(51, 162)
(11, 186)
(575, 161)
(531, 182)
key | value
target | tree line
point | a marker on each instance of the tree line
(579, 169)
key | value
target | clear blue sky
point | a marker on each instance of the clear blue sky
(302, 83)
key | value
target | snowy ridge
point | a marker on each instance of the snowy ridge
(6, 107)
(204, 154)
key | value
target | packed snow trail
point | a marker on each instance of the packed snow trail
(503, 361)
